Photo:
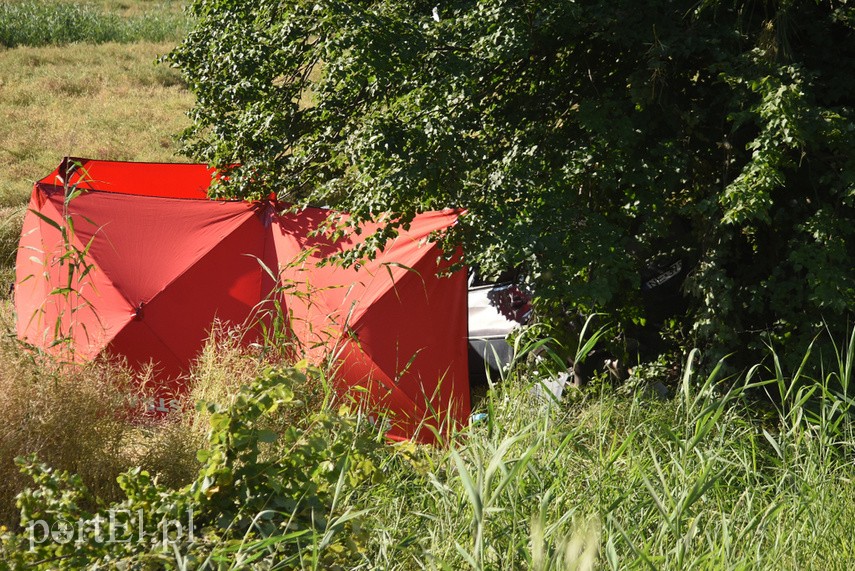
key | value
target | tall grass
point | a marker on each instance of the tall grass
(42, 22)
(11, 221)
(631, 482)
(75, 419)
(607, 478)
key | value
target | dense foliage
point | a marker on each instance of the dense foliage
(587, 140)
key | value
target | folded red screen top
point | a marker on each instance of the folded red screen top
(168, 180)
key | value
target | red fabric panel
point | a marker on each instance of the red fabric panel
(357, 374)
(181, 262)
(223, 284)
(425, 352)
(144, 243)
(162, 269)
(172, 180)
(348, 291)
(410, 325)
(92, 312)
(141, 346)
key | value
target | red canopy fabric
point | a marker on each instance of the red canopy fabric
(157, 262)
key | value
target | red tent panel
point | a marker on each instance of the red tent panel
(164, 262)
(353, 311)
(89, 312)
(431, 342)
(169, 180)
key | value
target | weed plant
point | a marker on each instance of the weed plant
(11, 221)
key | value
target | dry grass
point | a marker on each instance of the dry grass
(224, 364)
(73, 418)
(11, 219)
(228, 362)
(108, 101)
(130, 8)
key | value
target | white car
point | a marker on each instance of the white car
(495, 310)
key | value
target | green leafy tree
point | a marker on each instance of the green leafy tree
(584, 139)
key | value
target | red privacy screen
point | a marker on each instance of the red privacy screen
(154, 262)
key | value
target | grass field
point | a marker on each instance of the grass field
(108, 101)
(46, 22)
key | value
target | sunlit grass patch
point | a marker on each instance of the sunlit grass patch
(77, 418)
(108, 101)
(41, 22)
(628, 481)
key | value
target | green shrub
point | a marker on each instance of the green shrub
(588, 142)
(261, 496)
